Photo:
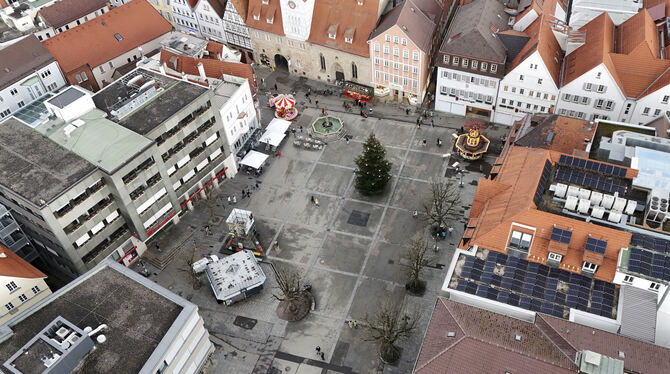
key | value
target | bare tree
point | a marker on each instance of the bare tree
(419, 257)
(440, 207)
(288, 282)
(386, 327)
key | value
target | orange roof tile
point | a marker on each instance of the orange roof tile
(637, 30)
(260, 10)
(14, 266)
(521, 171)
(213, 68)
(598, 44)
(542, 39)
(569, 133)
(94, 42)
(347, 15)
(242, 6)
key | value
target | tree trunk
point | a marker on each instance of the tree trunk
(388, 353)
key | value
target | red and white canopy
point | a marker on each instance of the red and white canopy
(284, 101)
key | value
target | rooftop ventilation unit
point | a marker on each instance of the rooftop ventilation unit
(584, 193)
(619, 204)
(598, 212)
(571, 203)
(608, 201)
(630, 207)
(573, 191)
(596, 197)
(584, 205)
(561, 189)
(614, 217)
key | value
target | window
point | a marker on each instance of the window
(445, 59)
(5, 113)
(102, 70)
(35, 290)
(521, 90)
(628, 279)
(646, 110)
(11, 286)
(386, 77)
(322, 58)
(9, 306)
(654, 286)
(118, 37)
(83, 76)
(354, 70)
(415, 56)
(474, 64)
(520, 239)
(539, 80)
(589, 267)
(405, 68)
(521, 77)
(513, 89)
(505, 88)
(386, 63)
(13, 91)
(598, 75)
(657, 112)
(405, 53)
(23, 298)
(588, 86)
(396, 51)
(21, 104)
(386, 49)
(555, 256)
(377, 74)
(388, 38)
(376, 47)
(494, 68)
(484, 66)
(567, 97)
(456, 60)
(331, 36)
(585, 100)
(602, 89)
(665, 100)
(404, 41)
(376, 61)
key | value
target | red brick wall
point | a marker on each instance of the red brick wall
(89, 84)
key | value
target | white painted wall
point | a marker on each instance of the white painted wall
(50, 31)
(639, 282)
(25, 288)
(297, 21)
(451, 82)
(657, 103)
(595, 321)
(237, 31)
(210, 24)
(184, 17)
(523, 93)
(596, 76)
(235, 128)
(49, 78)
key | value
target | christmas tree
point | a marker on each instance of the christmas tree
(373, 170)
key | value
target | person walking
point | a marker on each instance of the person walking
(316, 102)
(432, 123)
(230, 200)
(278, 154)
(323, 111)
(425, 142)
(243, 193)
(439, 142)
(257, 185)
(234, 199)
(323, 357)
(316, 202)
(275, 86)
(318, 350)
(312, 199)
(407, 111)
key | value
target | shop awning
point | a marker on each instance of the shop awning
(275, 132)
(254, 159)
(278, 125)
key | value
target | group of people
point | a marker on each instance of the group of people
(315, 201)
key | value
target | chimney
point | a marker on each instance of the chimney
(183, 76)
(201, 71)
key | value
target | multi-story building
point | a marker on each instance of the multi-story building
(584, 11)
(210, 19)
(20, 15)
(471, 60)
(616, 72)
(164, 8)
(234, 22)
(27, 71)
(322, 40)
(90, 53)
(93, 323)
(13, 237)
(532, 76)
(401, 48)
(121, 166)
(66, 14)
(184, 16)
(22, 286)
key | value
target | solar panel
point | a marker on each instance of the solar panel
(471, 288)
(547, 308)
(513, 299)
(482, 290)
(462, 283)
(524, 302)
(596, 245)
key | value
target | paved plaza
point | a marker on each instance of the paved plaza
(351, 248)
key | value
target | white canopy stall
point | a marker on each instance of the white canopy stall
(254, 159)
(275, 132)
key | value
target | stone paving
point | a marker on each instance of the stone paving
(353, 268)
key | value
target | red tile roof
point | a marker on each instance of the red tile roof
(271, 10)
(63, 12)
(349, 17)
(242, 6)
(508, 200)
(213, 67)
(568, 133)
(94, 42)
(15, 267)
(484, 342)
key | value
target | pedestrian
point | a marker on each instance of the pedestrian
(417, 121)
(262, 81)
(323, 111)
(418, 125)
(407, 112)
(300, 129)
(451, 230)
(312, 199)
(275, 86)
(432, 123)
(158, 248)
(462, 130)
(429, 104)
(355, 324)
(425, 142)
(316, 102)
(323, 357)
(351, 324)
(243, 193)
(234, 199)
(316, 202)
(230, 201)
(439, 142)
(346, 137)
(309, 90)
(278, 154)
(318, 349)
(310, 99)
(257, 185)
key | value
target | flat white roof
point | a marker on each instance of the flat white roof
(233, 274)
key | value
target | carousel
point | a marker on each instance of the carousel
(472, 145)
(284, 106)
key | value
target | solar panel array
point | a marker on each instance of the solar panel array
(594, 181)
(594, 166)
(596, 245)
(561, 235)
(534, 286)
(648, 263)
(542, 185)
(651, 243)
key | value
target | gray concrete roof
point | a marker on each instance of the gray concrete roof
(638, 315)
(138, 314)
(34, 166)
(470, 32)
(176, 94)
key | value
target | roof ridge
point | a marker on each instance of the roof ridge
(643, 93)
(537, 315)
(420, 11)
(446, 307)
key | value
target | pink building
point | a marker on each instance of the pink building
(401, 48)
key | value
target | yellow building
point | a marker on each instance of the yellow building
(21, 285)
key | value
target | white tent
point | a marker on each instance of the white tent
(254, 159)
(274, 133)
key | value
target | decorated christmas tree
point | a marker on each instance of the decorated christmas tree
(373, 170)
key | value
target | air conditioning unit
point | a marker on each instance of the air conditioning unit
(584, 205)
(630, 207)
(608, 201)
(584, 193)
(619, 204)
(614, 217)
(598, 212)
(596, 197)
(561, 189)
(571, 203)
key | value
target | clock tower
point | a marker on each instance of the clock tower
(297, 18)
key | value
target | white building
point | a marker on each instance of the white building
(210, 19)
(66, 14)
(185, 18)
(583, 11)
(471, 60)
(27, 72)
(237, 32)
(21, 285)
(531, 82)
(296, 18)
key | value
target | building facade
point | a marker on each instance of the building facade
(165, 9)
(27, 72)
(237, 32)
(210, 14)
(13, 237)
(22, 285)
(185, 18)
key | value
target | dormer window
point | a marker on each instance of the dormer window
(332, 31)
(360, 2)
(348, 40)
(257, 17)
(589, 267)
(265, 2)
(270, 20)
(349, 35)
(520, 240)
(331, 36)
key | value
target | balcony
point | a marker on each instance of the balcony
(108, 244)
